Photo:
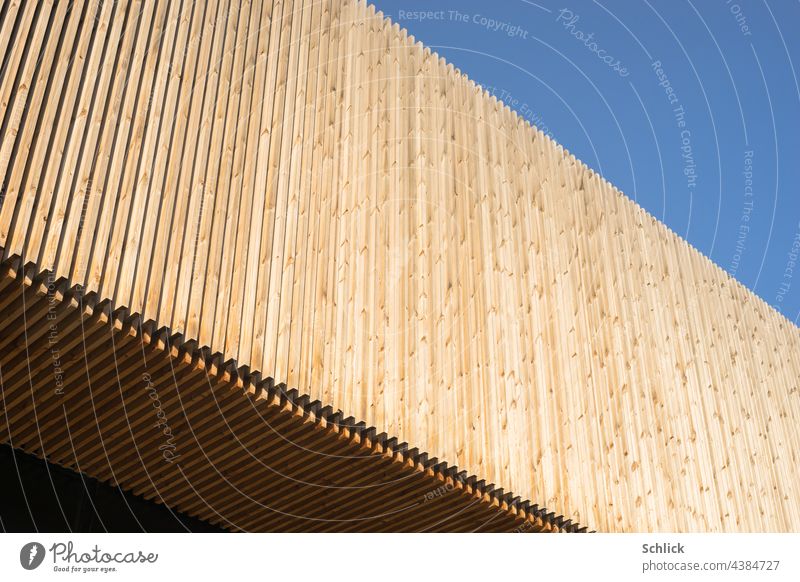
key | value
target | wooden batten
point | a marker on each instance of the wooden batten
(329, 250)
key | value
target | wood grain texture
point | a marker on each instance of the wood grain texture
(98, 391)
(301, 186)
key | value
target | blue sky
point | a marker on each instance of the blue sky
(692, 108)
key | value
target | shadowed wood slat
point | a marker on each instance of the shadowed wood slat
(236, 196)
(155, 414)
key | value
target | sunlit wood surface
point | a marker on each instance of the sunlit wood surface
(304, 189)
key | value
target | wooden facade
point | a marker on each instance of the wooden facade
(297, 190)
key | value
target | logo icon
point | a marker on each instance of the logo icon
(31, 555)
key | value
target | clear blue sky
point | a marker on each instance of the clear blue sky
(708, 142)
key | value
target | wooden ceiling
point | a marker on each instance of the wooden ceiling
(304, 188)
(101, 392)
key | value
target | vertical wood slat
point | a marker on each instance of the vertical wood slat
(303, 187)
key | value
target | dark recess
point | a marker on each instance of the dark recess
(31, 491)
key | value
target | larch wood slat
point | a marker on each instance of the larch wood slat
(302, 224)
